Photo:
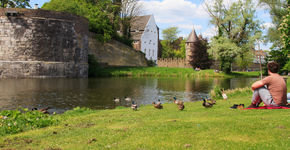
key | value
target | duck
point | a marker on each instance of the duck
(212, 101)
(178, 102)
(128, 99)
(157, 105)
(181, 106)
(117, 100)
(206, 104)
(43, 110)
(134, 106)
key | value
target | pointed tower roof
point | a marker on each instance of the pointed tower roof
(192, 37)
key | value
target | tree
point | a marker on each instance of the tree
(277, 10)
(224, 50)
(127, 11)
(280, 52)
(14, 3)
(285, 33)
(170, 34)
(99, 14)
(238, 28)
(246, 61)
(172, 46)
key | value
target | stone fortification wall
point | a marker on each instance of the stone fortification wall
(114, 53)
(173, 63)
(41, 43)
(181, 63)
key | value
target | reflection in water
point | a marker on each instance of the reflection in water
(62, 94)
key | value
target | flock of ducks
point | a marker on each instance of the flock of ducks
(207, 103)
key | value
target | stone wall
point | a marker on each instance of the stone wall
(181, 63)
(173, 63)
(114, 53)
(41, 43)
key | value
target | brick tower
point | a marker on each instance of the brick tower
(190, 45)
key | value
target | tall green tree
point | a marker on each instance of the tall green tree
(225, 51)
(284, 28)
(14, 3)
(236, 24)
(99, 14)
(172, 46)
(170, 34)
(279, 33)
(277, 9)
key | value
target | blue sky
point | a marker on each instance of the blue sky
(186, 14)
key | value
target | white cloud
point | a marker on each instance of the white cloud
(174, 11)
(190, 27)
(210, 32)
(267, 25)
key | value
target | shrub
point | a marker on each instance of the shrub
(15, 121)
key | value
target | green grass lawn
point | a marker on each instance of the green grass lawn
(167, 72)
(148, 128)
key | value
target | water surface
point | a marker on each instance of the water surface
(62, 94)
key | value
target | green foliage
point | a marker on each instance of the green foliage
(285, 30)
(277, 10)
(216, 93)
(237, 25)
(170, 34)
(15, 121)
(100, 14)
(172, 46)
(14, 3)
(167, 51)
(282, 55)
(151, 63)
(286, 67)
(224, 50)
(124, 40)
(247, 60)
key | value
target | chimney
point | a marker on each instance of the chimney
(35, 6)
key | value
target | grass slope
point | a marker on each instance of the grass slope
(167, 72)
(148, 128)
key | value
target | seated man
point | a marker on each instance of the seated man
(272, 90)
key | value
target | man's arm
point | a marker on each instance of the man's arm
(257, 85)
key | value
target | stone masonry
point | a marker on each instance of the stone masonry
(41, 43)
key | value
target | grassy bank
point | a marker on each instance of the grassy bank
(166, 72)
(148, 128)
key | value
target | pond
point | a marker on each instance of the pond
(61, 94)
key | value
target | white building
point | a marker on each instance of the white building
(145, 34)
